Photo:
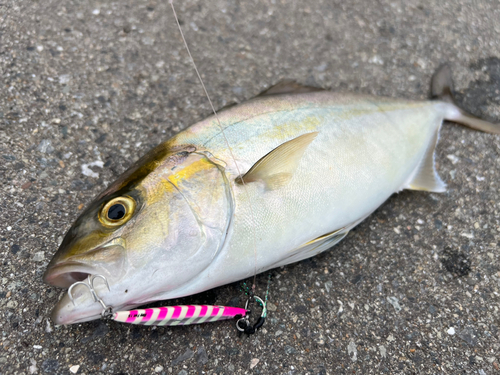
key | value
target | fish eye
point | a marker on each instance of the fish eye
(117, 211)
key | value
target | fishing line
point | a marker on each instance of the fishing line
(227, 144)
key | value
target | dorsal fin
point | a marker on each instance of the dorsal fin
(442, 84)
(289, 86)
(277, 167)
(229, 105)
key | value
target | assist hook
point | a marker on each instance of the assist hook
(107, 311)
(243, 324)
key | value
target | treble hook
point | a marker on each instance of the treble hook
(107, 311)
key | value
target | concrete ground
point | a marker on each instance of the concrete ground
(414, 289)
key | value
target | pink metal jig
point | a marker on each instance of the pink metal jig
(178, 315)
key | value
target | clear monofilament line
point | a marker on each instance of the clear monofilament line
(225, 139)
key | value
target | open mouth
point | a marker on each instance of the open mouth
(65, 274)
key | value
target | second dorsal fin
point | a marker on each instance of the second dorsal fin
(289, 86)
(277, 167)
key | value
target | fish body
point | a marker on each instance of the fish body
(303, 169)
(366, 149)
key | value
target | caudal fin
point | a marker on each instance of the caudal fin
(442, 89)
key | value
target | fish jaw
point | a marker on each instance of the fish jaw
(83, 307)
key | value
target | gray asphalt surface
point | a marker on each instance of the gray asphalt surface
(414, 289)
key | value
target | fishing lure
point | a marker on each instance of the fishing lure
(179, 315)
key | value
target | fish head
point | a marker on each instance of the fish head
(149, 235)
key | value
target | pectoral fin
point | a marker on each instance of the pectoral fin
(277, 167)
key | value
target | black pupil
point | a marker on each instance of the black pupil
(116, 211)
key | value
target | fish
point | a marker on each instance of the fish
(304, 167)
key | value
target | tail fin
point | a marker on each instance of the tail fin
(442, 89)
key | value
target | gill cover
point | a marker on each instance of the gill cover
(182, 226)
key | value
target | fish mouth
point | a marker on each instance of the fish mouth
(63, 275)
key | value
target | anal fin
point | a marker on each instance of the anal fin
(425, 176)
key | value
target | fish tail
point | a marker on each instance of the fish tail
(442, 89)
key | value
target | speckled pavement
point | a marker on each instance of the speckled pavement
(89, 86)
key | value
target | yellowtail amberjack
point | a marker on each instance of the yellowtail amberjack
(314, 165)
